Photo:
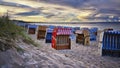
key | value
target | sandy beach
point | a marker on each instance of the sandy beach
(86, 56)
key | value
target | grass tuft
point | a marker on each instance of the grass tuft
(11, 32)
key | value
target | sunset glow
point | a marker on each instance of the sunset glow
(43, 11)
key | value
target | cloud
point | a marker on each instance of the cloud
(31, 13)
(110, 11)
(13, 4)
(71, 3)
(64, 10)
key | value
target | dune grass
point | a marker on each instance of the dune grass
(11, 32)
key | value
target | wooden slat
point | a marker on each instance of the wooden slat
(31, 31)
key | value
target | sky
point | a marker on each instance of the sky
(62, 10)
